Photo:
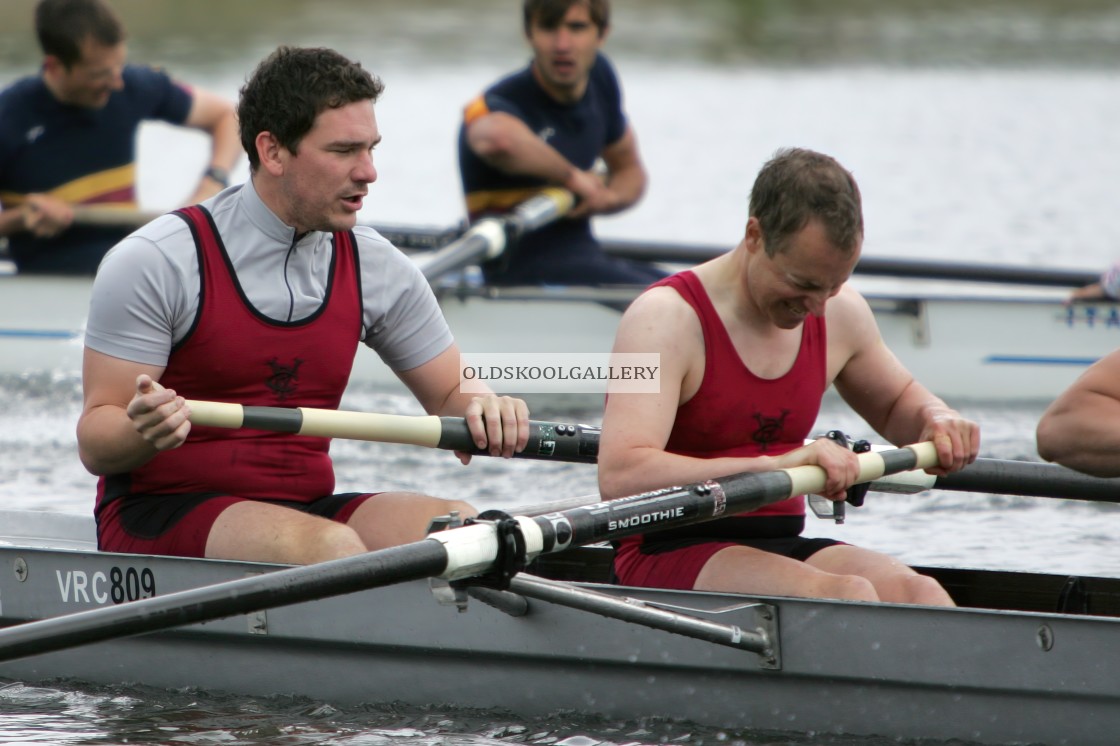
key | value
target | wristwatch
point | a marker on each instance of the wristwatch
(219, 175)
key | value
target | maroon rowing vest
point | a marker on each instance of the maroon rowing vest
(234, 354)
(736, 413)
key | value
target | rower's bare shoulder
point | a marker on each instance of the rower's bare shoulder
(662, 304)
(849, 310)
(658, 313)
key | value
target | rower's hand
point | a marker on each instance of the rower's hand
(593, 196)
(841, 465)
(45, 216)
(160, 416)
(498, 424)
(957, 441)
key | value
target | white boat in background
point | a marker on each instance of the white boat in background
(965, 341)
(967, 331)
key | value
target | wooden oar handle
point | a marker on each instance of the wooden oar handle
(113, 217)
(552, 441)
(872, 465)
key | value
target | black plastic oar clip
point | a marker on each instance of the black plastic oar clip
(857, 492)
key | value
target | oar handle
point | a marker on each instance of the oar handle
(113, 217)
(553, 441)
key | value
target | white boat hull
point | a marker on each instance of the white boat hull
(990, 345)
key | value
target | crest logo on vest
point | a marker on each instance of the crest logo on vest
(284, 380)
(769, 429)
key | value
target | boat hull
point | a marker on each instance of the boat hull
(985, 675)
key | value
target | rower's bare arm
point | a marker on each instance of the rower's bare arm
(12, 220)
(109, 440)
(626, 175)
(217, 117)
(1081, 428)
(636, 427)
(880, 389)
(498, 423)
(506, 143)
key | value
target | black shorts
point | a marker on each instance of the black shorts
(179, 525)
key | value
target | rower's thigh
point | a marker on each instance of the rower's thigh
(391, 518)
(894, 580)
(742, 569)
(263, 532)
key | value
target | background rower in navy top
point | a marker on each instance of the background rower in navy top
(549, 124)
(68, 134)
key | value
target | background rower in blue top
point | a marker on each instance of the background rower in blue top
(549, 124)
(68, 137)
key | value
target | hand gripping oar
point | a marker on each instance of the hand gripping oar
(553, 441)
(488, 238)
(451, 554)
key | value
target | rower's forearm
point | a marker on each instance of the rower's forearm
(12, 221)
(508, 145)
(225, 143)
(1086, 441)
(538, 160)
(904, 421)
(109, 444)
(1091, 452)
(628, 187)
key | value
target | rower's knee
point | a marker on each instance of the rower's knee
(916, 589)
(328, 541)
(845, 588)
(428, 509)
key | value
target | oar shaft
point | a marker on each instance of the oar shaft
(871, 266)
(551, 441)
(704, 501)
(488, 238)
(1006, 477)
(1029, 478)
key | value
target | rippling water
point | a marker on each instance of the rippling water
(978, 131)
(67, 716)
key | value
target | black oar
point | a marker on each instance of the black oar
(451, 554)
(922, 269)
(1005, 477)
(553, 441)
(488, 238)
